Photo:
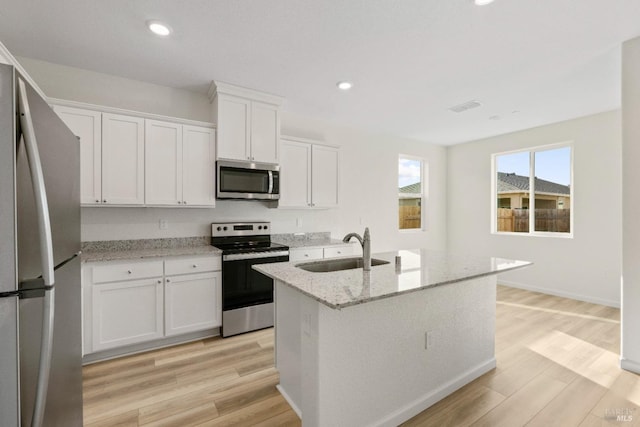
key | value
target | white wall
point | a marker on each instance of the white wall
(630, 351)
(368, 181)
(586, 267)
(74, 84)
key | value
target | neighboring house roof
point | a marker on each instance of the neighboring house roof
(510, 183)
(412, 188)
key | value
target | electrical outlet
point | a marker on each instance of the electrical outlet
(428, 340)
(299, 222)
(163, 224)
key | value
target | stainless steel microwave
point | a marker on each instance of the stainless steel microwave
(247, 180)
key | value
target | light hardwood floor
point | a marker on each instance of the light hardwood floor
(557, 366)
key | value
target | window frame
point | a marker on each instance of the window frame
(532, 164)
(422, 195)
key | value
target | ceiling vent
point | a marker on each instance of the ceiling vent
(465, 106)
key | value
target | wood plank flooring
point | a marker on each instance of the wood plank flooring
(557, 366)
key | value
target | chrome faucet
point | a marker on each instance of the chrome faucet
(366, 246)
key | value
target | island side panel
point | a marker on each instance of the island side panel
(367, 364)
(288, 356)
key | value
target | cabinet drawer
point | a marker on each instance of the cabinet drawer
(305, 254)
(338, 251)
(126, 271)
(192, 265)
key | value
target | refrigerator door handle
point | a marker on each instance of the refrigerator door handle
(46, 251)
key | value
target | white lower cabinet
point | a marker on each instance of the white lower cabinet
(191, 302)
(126, 313)
(310, 254)
(132, 302)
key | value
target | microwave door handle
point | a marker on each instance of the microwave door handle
(46, 251)
(270, 182)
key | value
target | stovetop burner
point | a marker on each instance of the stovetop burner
(244, 237)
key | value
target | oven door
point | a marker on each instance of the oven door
(240, 180)
(242, 286)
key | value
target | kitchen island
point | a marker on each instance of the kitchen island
(360, 348)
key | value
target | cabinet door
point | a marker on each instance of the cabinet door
(295, 174)
(122, 160)
(265, 132)
(339, 251)
(126, 313)
(324, 176)
(198, 172)
(192, 302)
(234, 118)
(163, 163)
(87, 126)
(305, 254)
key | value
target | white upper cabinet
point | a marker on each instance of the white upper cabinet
(198, 172)
(324, 176)
(308, 174)
(265, 132)
(248, 123)
(122, 160)
(234, 113)
(179, 165)
(163, 163)
(87, 126)
(129, 160)
(295, 174)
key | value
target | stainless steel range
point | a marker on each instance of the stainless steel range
(247, 296)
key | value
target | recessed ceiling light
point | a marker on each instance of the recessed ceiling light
(482, 2)
(158, 28)
(344, 85)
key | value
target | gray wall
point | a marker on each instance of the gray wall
(368, 173)
(630, 352)
(585, 267)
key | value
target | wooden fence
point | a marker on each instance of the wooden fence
(517, 220)
(410, 217)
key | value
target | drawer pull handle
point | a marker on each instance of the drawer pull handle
(159, 281)
(168, 280)
(195, 266)
(128, 271)
(307, 255)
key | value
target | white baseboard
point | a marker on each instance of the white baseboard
(629, 365)
(289, 401)
(549, 291)
(414, 408)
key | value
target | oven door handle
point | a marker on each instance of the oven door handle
(254, 255)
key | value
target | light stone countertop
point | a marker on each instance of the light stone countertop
(420, 269)
(129, 254)
(113, 250)
(311, 243)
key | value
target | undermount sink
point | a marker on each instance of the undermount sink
(339, 264)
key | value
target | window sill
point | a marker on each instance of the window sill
(412, 230)
(535, 234)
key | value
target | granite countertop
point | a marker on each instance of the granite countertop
(312, 243)
(307, 240)
(421, 269)
(112, 250)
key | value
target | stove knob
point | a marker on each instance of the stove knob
(219, 228)
(259, 227)
(224, 228)
(265, 227)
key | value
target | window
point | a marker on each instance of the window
(410, 193)
(545, 171)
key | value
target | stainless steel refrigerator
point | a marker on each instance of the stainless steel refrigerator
(40, 304)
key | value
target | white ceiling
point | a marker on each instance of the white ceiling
(409, 60)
